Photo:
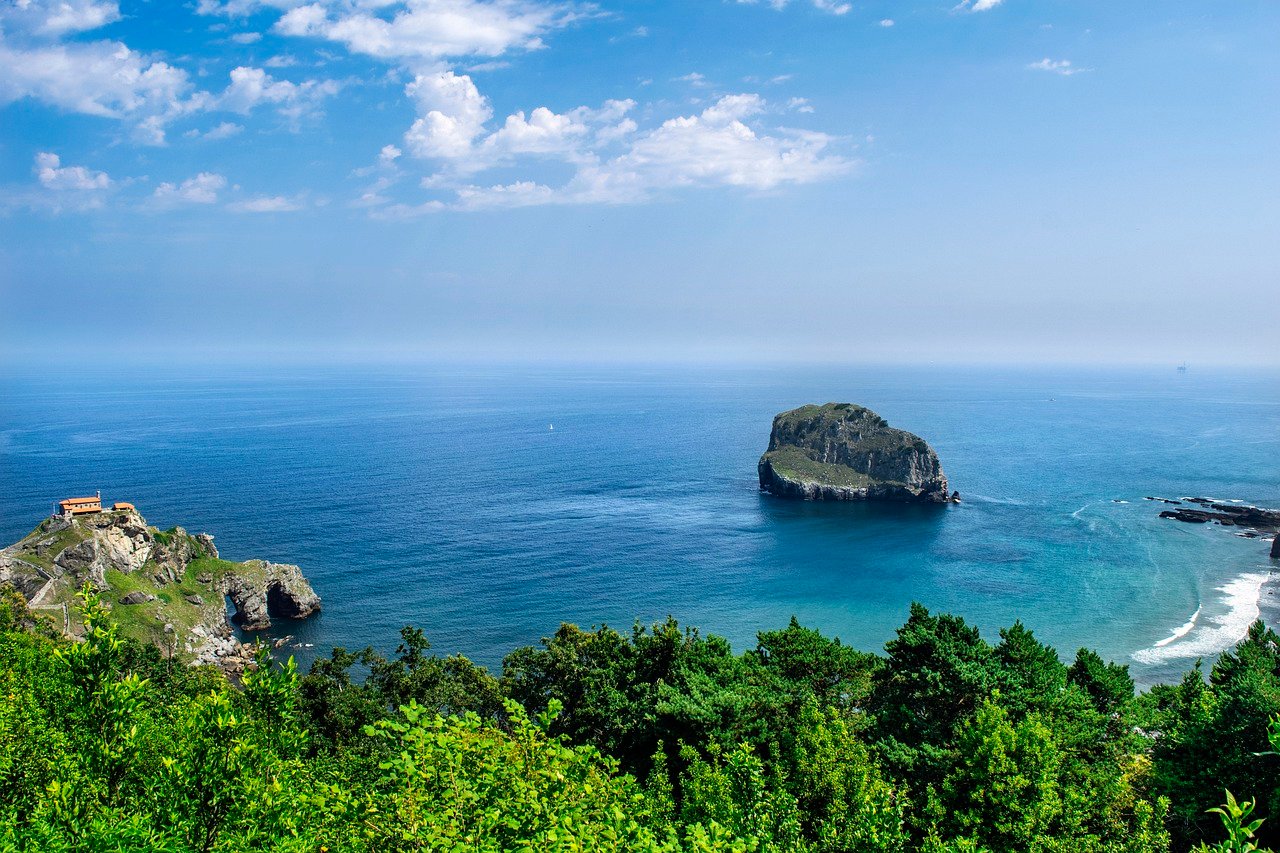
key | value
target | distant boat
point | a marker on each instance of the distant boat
(1182, 368)
(550, 427)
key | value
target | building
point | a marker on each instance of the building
(80, 506)
(123, 506)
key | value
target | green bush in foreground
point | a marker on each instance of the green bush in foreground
(657, 740)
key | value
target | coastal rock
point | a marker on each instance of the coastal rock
(271, 589)
(1257, 521)
(206, 542)
(50, 565)
(845, 452)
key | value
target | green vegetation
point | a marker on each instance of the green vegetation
(794, 464)
(44, 555)
(831, 411)
(659, 739)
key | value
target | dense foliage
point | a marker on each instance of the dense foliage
(661, 739)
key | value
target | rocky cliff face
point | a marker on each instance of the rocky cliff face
(271, 588)
(166, 587)
(844, 452)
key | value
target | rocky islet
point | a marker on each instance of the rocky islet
(846, 452)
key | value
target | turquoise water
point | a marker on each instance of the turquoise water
(443, 497)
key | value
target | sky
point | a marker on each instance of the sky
(999, 181)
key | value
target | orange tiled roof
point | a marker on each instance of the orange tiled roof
(74, 501)
(123, 505)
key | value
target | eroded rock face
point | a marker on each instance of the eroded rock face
(845, 452)
(119, 541)
(51, 564)
(272, 589)
(26, 577)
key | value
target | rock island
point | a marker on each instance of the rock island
(166, 587)
(846, 452)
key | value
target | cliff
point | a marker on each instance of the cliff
(166, 587)
(845, 452)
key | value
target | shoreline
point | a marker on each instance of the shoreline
(1269, 597)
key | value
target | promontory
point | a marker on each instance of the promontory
(166, 587)
(846, 452)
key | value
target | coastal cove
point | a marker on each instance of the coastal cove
(441, 497)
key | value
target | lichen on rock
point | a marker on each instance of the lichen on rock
(846, 452)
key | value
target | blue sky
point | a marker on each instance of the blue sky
(806, 180)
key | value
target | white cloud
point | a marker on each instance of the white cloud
(1056, 66)
(201, 189)
(713, 148)
(389, 154)
(834, 7)
(453, 118)
(246, 38)
(693, 78)
(977, 5)
(453, 114)
(717, 147)
(543, 132)
(266, 204)
(224, 130)
(251, 87)
(429, 29)
(110, 80)
(53, 175)
(102, 79)
(800, 105)
(886, 22)
(57, 17)
(242, 8)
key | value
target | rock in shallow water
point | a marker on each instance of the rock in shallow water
(845, 452)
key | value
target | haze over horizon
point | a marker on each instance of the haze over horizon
(996, 181)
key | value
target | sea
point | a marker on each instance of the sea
(489, 504)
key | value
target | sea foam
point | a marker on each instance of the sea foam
(1240, 597)
(1181, 631)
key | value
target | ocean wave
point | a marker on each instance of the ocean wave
(1240, 596)
(988, 499)
(1181, 631)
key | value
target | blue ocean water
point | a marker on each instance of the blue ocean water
(487, 505)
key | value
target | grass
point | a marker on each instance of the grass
(876, 436)
(792, 463)
(218, 568)
(63, 540)
(145, 622)
(832, 411)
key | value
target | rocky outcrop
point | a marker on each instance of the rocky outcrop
(178, 584)
(269, 589)
(845, 452)
(1254, 518)
(1254, 522)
